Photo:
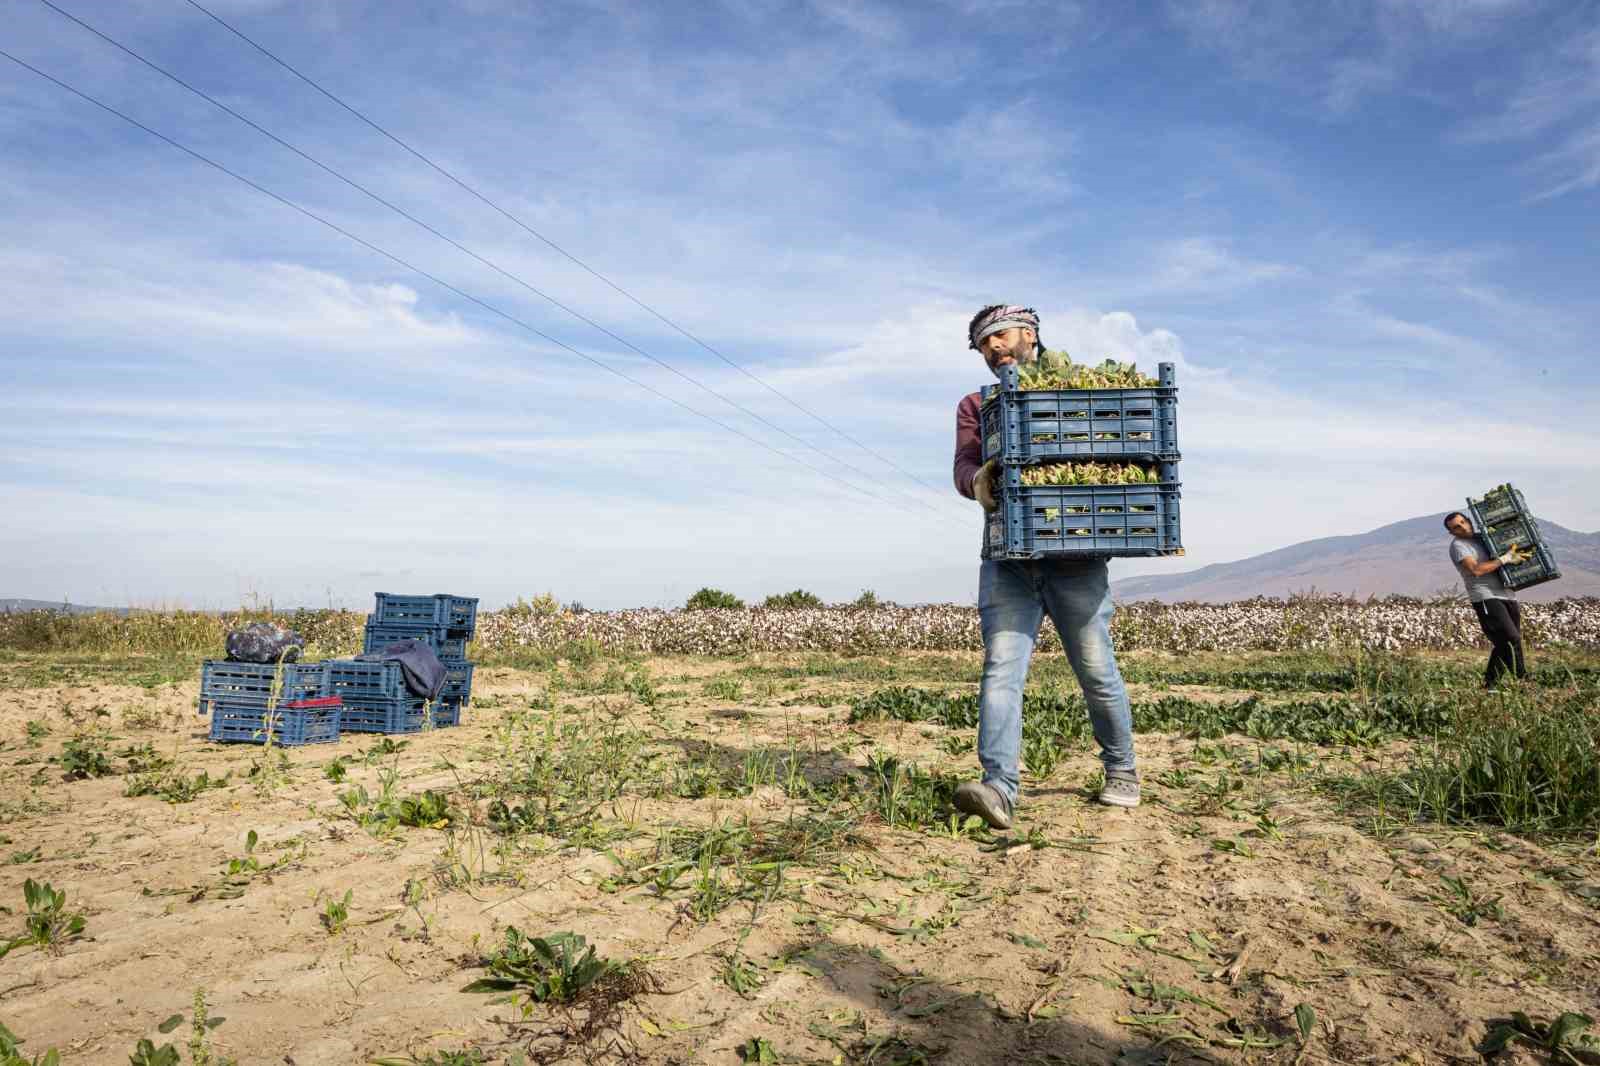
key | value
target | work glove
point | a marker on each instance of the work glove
(1513, 556)
(983, 484)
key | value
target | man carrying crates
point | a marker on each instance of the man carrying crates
(1013, 598)
(1493, 602)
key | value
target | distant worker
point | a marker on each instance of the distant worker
(1495, 605)
(1014, 596)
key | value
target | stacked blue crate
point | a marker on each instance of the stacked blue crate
(1504, 522)
(252, 702)
(1023, 428)
(446, 624)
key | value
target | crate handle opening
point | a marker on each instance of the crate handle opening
(1142, 531)
(1108, 414)
(1141, 435)
(1043, 438)
(1044, 534)
(1080, 532)
(1077, 509)
(1041, 414)
(1077, 436)
(1142, 508)
(1143, 413)
(1074, 414)
(1112, 508)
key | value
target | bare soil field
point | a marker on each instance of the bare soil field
(777, 882)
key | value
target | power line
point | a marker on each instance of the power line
(557, 248)
(431, 277)
(464, 249)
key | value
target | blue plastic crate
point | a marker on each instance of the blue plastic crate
(458, 614)
(379, 635)
(388, 714)
(358, 677)
(447, 712)
(1504, 521)
(1050, 425)
(1053, 521)
(457, 680)
(289, 725)
(221, 679)
(1496, 506)
(1538, 569)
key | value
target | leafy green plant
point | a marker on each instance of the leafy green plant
(11, 1056)
(465, 1057)
(724, 688)
(48, 925)
(1054, 369)
(556, 968)
(1563, 1037)
(1090, 474)
(758, 1049)
(336, 913)
(145, 1053)
(37, 731)
(83, 757)
(173, 785)
(337, 770)
(710, 599)
(431, 810)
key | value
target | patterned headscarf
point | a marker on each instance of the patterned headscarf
(997, 317)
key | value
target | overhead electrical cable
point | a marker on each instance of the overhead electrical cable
(832, 478)
(468, 251)
(471, 191)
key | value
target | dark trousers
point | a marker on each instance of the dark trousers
(1502, 624)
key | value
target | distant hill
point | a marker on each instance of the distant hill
(52, 605)
(1405, 558)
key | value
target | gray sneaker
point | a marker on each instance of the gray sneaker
(1120, 790)
(975, 797)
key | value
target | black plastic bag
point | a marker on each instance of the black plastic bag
(265, 642)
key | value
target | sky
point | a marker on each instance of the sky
(1364, 232)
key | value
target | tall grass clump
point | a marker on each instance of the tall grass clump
(1513, 759)
(169, 632)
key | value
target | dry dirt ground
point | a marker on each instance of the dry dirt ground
(1187, 931)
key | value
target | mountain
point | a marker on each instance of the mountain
(11, 605)
(1405, 558)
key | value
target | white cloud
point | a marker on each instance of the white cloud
(1200, 264)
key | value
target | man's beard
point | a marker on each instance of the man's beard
(1023, 352)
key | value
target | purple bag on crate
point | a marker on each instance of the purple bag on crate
(264, 642)
(424, 674)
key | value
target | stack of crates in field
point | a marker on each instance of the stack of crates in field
(375, 696)
(1504, 522)
(1024, 428)
(286, 703)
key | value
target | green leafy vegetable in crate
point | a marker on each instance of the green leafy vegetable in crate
(1092, 474)
(1056, 370)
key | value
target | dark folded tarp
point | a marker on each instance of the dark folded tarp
(423, 671)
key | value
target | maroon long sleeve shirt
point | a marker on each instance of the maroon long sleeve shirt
(969, 443)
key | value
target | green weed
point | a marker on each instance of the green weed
(48, 924)
(335, 914)
(10, 1055)
(84, 757)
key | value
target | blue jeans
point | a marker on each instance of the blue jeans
(1013, 598)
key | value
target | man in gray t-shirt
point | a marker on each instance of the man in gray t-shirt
(1499, 614)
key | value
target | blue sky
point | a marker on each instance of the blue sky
(1366, 233)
